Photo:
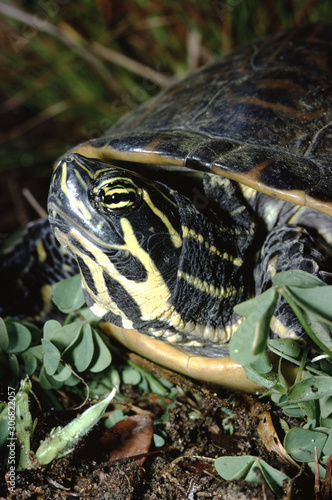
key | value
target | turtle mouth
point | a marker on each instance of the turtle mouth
(68, 231)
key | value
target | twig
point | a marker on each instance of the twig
(132, 65)
(76, 45)
(326, 487)
(46, 27)
(194, 43)
(46, 114)
(34, 203)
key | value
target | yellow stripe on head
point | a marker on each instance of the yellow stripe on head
(174, 235)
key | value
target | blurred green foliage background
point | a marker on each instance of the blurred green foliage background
(69, 70)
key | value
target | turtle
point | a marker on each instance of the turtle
(191, 204)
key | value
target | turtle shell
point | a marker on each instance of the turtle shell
(261, 116)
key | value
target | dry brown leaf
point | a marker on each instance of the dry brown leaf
(268, 435)
(130, 437)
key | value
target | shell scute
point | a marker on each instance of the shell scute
(261, 115)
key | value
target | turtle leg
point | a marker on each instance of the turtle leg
(289, 247)
(28, 268)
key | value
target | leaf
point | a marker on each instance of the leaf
(81, 351)
(62, 373)
(64, 336)
(300, 443)
(68, 295)
(156, 385)
(52, 357)
(36, 351)
(131, 376)
(35, 332)
(84, 353)
(101, 355)
(327, 450)
(321, 470)
(24, 424)
(4, 339)
(322, 331)
(129, 437)
(237, 468)
(115, 378)
(73, 380)
(89, 316)
(158, 440)
(297, 278)
(265, 380)
(47, 381)
(250, 338)
(282, 382)
(50, 327)
(293, 411)
(30, 362)
(289, 347)
(233, 468)
(247, 307)
(62, 439)
(4, 427)
(326, 407)
(273, 477)
(19, 337)
(317, 300)
(14, 365)
(311, 388)
(113, 418)
(309, 408)
(262, 364)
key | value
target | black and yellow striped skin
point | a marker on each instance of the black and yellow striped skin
(150, 259)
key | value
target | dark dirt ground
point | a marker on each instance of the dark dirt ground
(182, 469)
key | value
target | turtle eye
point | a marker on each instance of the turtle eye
(117, 196)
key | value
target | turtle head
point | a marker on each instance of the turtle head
(149, 259)
(125, 235)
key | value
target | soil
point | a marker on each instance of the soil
(182, 469)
